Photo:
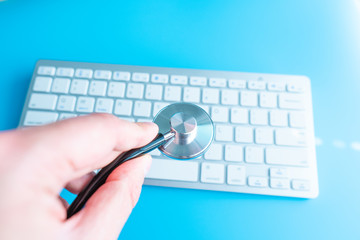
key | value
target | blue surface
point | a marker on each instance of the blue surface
(320, 39)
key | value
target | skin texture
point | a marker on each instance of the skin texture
(37, 163)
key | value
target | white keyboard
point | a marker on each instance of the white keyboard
(264, 132)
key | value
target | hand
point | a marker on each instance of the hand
(37, 163)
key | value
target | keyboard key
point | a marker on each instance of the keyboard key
(220, 114)
(229, 97)
(192, 94)
(85, 104)
(104, 105)
(276, 86)
(123, 107)
(158, 106)
(144, 120)
(121, 76)
(154, 91)
(237, 83)
(244, 134)
(34, 118)
(290, 137)
(43, 101)
(210, 95)
(291, 101)
(256, 85)
(176, 79)
(64, 116)
(142, 109)
(61, 85)
(66, 103)
(65, 72)
(155, 152)
(217, 82)
(160, 78)
(297, 119)
(264, 136)
(174, 170)
(268, 100)
(97, 88)
(140, 77)
(215, 152)
(79, 86)
(234, 153)
(279, 183)
(257, 181)
(172, 93)
(116, 89)
(205, 108)
(236, 175)
(254, 154)
(224, 133)
(287, 156)
(83, 73)
(46, 70)
(102, 74)
(278, 172)
(135, 90)
(198, 81)
(239, 115)
(278, 118)
(42, 84)
(295, 87)
(301, 185)
(212, 173)
(248, 99)
(258, 117)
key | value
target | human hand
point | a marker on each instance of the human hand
(37, 163)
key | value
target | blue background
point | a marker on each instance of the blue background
(320, 39)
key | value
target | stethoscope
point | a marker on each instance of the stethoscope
(185, 132)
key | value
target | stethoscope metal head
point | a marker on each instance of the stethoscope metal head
(191, 127)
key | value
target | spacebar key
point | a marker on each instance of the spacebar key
(174, 170)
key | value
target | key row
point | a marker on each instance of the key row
(173, 79)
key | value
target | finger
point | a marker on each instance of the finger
(108, 209)
(64, 202)
(76, 185)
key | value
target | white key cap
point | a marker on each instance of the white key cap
(244, 134)
(192, 94)
(174, 170)
(127, 119)
(220, 114)
(102, 74)
(248, 98)
(206, 108)
(154, 91)
(155, 152)
(97, 88)
(172, 93)
(234, 153)
(212, 173)
(160, 78)
(287, 156)
(254, 154)
(46, 70)
(268, 100)
(64, 116)
(210, 95)
(278, 172)
(42, 84)
(239, 115)
(61, 85)
(43, 101)
(66, 103)
(297, 119)
(116, 89)
(264, 136)
(79, 86)
(256, 85)
(290, 137)
(83, 73)
(158, 106)
(144, 120)
(276, 86)
(224, 133)
(140, 77)
(121, 76)
(295, 87)
(291, 101)
(258, 117)
(279, 183)
(34, 118)
(104, 105)
(65, 72)
(301, 185)
(237, 83)
(229, 97)
(215, 152)
(85, 104)
(278, 118)
(123, 107)
(217, 82)
(135, 90)
(257, 181)
(177, 79)
(142, 109)
(236, 175)
(198, 81)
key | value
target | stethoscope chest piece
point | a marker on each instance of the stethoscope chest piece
(193, 128)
